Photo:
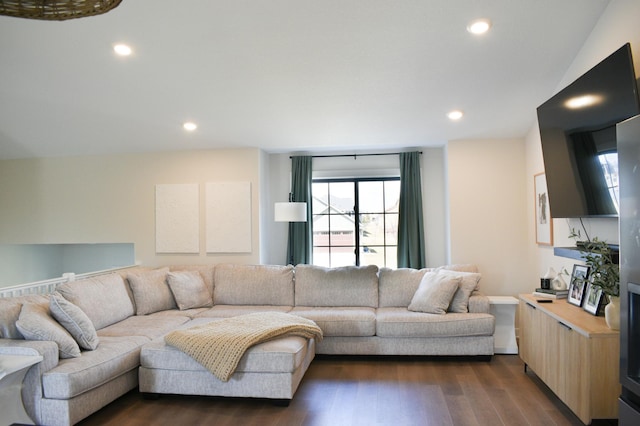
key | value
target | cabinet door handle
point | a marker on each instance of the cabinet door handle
(565, 326)
(531, 306)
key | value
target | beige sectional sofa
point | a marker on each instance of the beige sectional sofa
(118, 317)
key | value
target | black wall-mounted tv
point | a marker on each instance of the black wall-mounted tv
(578, 134)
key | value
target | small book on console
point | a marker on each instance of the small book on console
(552, 291)
(550, 295)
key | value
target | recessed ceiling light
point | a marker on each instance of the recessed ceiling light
(455, 115)
(190, 126)
(122, 49)
(479, 26)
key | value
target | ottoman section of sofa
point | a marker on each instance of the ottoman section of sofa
(271, 370)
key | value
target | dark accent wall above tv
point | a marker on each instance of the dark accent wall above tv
(575, 139)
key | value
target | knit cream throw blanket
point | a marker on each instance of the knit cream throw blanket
(219, 345)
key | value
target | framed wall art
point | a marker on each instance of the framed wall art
(544, 223)
(578, 284)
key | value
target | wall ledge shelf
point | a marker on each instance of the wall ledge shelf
(576, 253)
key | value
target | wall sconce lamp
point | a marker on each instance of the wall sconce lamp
(290, 211)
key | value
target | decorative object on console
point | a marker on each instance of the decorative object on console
(550, 293)
(558, 283)
(593, 296)
(53, 10)
(604, 272)
(579, 278)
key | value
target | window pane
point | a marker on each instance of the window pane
(342, 230)
(321, 256)
(391, 257)
(320, 197)
(320, 230)
(371, 197)
(391, 195)
(342, 256)
(391, 229)
(371, 229)
(372, 255)
(341, 197)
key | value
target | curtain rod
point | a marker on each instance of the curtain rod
(356, 155)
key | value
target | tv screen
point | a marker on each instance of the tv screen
(578, 134)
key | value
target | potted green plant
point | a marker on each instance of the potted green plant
(604, 274)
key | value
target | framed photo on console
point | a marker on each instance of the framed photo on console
(592, 299)
(578, 284)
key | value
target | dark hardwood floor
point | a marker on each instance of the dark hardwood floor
(394, 391)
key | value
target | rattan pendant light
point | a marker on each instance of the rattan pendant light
(51, 10)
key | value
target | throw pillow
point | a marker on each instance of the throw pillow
(35, 323)
(74, 320)
(151, 291)
(189, 290)
(9, 314)
(434, 293)
(468, 283)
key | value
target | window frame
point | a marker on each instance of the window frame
(356, 213)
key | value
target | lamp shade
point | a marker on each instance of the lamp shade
(290, 212)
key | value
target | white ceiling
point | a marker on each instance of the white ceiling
(283, 75)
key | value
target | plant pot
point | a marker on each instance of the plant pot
(612, 313)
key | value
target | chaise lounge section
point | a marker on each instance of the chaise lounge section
(361, 311)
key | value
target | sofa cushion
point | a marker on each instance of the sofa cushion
(468, 284)
(114, 357)
(434, 293)
(36, 323)
(397, 286)
(253, 285)
(400, 322)
(344, 286)
(189, 290)
(106, 299)
(226, 311)
(345, 321)
(151, 291)
(149, 326)
(76, 322)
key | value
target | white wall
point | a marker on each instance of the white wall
(111, 199)
(617, 26)
(487, 191)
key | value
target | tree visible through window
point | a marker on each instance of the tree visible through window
(355, 222)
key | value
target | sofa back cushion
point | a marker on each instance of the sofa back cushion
(253, 285)
(206, 271)
(151, 292)
(397, 286)
(343, 286)
(106, 299)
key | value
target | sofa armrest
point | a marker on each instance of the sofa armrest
(48, 350)
(32, 393)
(479, 303)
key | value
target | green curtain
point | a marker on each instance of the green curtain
(299, 246)
(411, 252)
